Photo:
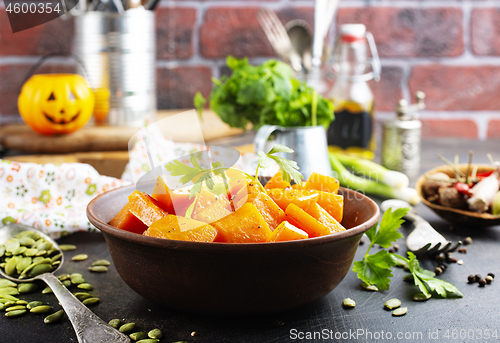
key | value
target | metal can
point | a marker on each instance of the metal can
(401, 138)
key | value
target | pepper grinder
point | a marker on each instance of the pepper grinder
(401, 138)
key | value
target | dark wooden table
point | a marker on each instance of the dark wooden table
(474, 318)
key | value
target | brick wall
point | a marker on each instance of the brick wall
(450, 49)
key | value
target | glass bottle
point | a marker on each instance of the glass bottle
(352, 130)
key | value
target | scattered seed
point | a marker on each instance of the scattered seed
(348, 303)
(451, 260)
(67, 247)
(47, 290)
(41, 309)
(115, 323)
(460, 262)
(400, 311)
(136, 336)
(396, 247)
(63, 277)
(21, 302)
(481, 282)
(421, 297)
(101, 263)
(90, 301)
(148, 340)
(488, 279)
(80, 257)
(27, 287)
(15, 308)
(54, 317)
(16, 313)
(155, 334)
(67, 283)
(127, 328)
(372, 288)
(361, 242)
(98, 269)
(392, 304)
(491, 274)
(462, 250)
(7, 283)
(467, 241)
(77, 280)
(85, 286)
(471, 278)
(10, 303)
(193, 333)
(478, 277)
(83, 296)
(33, 304)
(438, 271)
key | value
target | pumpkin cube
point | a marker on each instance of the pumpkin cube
(333, 204)
(285, 197)
(204, 200)
(322, 183)
(127, 221)
(304, 221)
(245, 225)
(215, 211)
(181, 229)
(324, 218)
(173, 201)
(145, 208)
(270, 211)
(287, 232)
(277, 182)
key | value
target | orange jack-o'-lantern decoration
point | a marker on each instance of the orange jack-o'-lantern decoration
(56, 103)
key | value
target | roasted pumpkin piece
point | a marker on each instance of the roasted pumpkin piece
(287, 232)
(204, 200)
(324, 218)
(127, 221)
(145, 208)
(304, 221)
(172, 201)
(181, 229)
(161, 193)
(240, 198)
(236, 181)
(322, 183)
(270, 211)
(297, 186)
(277, 182)
(333, 204)
(245, 225)
(254, 188)
(301, 198)
(217, 210)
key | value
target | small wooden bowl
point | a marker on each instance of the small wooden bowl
(456, 216)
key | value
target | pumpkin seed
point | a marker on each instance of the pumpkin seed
(90, 301)
(2, 250)
(67, 283)
(15, 308)
(56, 263)
(24, 276)
(67, 247)
(10, 267)
(40, 269)
(11, 244)
(77, 280)
(98, 269)
(400, 311)
(101, 263)
(21, 302)
(85, 286)
(136, 336)
(2, 265)
(30, 252)
(348, 302)
(56, 257)
(115, 323)
(33, 304)
(75, 275)
(82, 296)
(421, 297)
(41, 309)
(44, 246)
(155, 334)
(37, 259)
(19, 251)
(392, 304)
(26, 241)
(63, 277)
(54, 317)
(27, 287)
(47, 290)
(80, 257)
(372, 288)
(10, 303)
(36, 262)
(7, 254)
(2, 306)
(16, 313)
(127, 328)
(23, 263)
(9, 291)
(41, 253)
(148, 340)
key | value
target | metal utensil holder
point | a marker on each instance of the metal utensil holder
(118, 51)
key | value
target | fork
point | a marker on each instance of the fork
(278, 37)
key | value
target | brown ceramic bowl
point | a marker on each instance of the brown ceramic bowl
(456, 216)
(229, 278)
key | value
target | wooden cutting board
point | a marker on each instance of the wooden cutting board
(21, 138)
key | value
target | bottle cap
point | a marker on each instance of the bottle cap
(352, 32)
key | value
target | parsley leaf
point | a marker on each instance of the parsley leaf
(289, 169)
(376, 269)
(388, 229)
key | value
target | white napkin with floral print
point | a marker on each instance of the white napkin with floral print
(52, 198)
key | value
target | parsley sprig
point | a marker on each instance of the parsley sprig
(376, 268)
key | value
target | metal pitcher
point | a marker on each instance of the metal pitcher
(307, 142)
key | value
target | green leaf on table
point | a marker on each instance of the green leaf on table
(388, 229)
(376, 269)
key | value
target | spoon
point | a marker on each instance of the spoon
(424, 239)
(89, 328)
(300, 36)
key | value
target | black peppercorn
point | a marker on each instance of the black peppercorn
(478, 277)
(471, 278)
(462, 250)
(396, 247)
(481, 282)
(491, 274)
(438, 271)
(361, 242)
(467, 241)
(443, 267)
(488, 279)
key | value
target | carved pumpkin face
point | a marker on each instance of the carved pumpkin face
(56, 103)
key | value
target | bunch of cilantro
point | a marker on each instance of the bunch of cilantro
(375, 269)
(265, 95)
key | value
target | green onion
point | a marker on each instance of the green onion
(374, 171)
(363, 185)
(495, 206)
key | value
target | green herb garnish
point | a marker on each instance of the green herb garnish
(265, 94)
(376, 268)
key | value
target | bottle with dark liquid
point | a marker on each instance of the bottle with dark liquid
(352, 130)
